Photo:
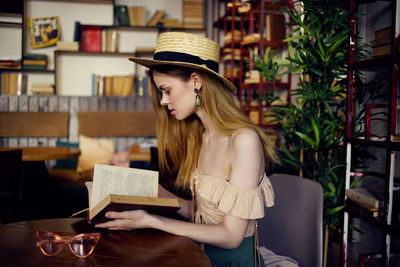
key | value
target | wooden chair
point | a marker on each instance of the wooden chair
(293, 226)
(10, 185)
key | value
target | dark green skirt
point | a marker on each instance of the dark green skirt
(242, 256)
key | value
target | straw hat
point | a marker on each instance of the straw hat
(186, 50)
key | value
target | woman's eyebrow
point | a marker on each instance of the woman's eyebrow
(162, 87)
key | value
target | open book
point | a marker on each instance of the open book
(119, 189)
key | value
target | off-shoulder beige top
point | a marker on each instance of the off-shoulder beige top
(216, 196)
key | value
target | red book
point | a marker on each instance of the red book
(91, 38)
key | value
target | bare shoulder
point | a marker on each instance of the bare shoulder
(247, 159)
(246, 139)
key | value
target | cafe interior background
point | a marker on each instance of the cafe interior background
(328, 98)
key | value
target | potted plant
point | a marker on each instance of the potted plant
(313, 127)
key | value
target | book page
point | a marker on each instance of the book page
(109, 179)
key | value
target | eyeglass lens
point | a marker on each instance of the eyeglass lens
(51, 245)
(83, 246)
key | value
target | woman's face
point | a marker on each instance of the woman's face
(177, 95)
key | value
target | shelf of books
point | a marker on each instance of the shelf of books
(247, 29)
(372, 184)
(96, 36)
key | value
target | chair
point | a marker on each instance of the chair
(10, 185)
(293, 226)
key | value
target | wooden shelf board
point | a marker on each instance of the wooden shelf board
(82, 1)
(8, 14)
(10, 24)
(374, 64)
(143, 28)
(27, 71)
(88, 53)
(374, 143)
(264, 84)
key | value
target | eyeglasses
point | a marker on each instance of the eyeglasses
(81, 245)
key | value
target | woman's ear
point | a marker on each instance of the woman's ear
(196, 80)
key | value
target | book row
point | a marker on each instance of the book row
(103, 85)
(94, 39)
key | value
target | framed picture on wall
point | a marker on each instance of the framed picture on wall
(43, 31)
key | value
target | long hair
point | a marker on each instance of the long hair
(179, 141)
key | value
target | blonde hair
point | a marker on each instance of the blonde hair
(179, 141)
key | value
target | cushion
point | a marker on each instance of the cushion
(67, 163)
(273, 260)
(94, 151)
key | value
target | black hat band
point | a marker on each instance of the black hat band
(186, 58)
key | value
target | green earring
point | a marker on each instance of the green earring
(198, 99)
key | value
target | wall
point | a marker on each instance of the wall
(73, 105)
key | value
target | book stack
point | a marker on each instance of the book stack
(252, 76)
(10, 63)
(110, 41)
(13, 83)
(229, 37)
(34, 61)
(91, 38)
(228, 71)
(364, 199)
(229, 53)
(251, 39)
(137, 15)
(42, 89)
(381, 45)
(156, 18)
(193, 14)
(67, 46)
(112, 85)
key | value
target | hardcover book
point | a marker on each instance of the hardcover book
(91, 38)
(120, 189)
(156, 18)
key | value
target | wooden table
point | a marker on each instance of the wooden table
(142, 247)
(42, 153)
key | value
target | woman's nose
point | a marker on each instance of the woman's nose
(164, 100)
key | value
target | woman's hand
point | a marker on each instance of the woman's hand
(125, 220)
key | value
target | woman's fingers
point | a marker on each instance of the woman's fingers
(125, 220)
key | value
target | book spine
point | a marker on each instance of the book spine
(357, 196)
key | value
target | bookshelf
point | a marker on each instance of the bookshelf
(241, 29)
(379, 242)
(99, 13)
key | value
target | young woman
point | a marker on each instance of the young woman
(218, 153)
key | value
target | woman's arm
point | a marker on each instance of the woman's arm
(186, 205)
(247, 162)
(227, 235)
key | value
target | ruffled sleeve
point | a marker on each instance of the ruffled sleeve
(246, 204)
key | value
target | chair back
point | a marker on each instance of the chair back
(293, 226)
(10, 184)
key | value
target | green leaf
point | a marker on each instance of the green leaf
(296, 37)
(306, 138)
(334, 210)
(316, 132)
(331, 187)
